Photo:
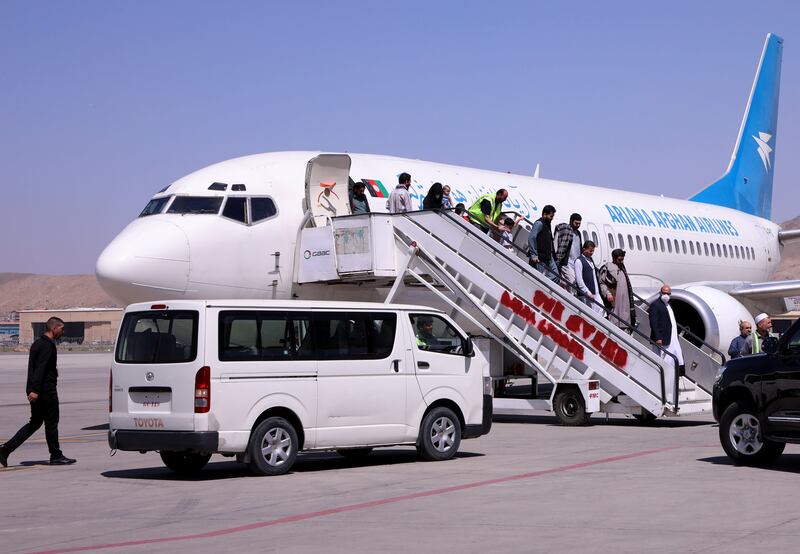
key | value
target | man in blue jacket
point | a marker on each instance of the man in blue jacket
(42, 395)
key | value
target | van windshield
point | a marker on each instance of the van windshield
(158, 337)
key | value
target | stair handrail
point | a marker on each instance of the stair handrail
(657, 348)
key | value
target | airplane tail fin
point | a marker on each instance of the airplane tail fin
(747, 183)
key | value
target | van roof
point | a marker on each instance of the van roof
(285, 304)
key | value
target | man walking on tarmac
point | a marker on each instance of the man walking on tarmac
(42, 395)
(485, 212)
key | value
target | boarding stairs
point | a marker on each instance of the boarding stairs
(702, 361)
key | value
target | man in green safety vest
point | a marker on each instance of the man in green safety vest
(485, 212)
(762, 340)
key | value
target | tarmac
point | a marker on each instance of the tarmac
(528, 486)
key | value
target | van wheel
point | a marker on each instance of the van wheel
(439, 435)
(273, 447)
(354, 453)
(740, 435)
(569, 407)
(185, 463)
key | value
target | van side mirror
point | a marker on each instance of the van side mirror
(469, 348)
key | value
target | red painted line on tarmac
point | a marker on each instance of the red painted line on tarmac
(360, 505)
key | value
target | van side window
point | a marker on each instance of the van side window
(434, 334)
(158, 337)
(353, 335)
(261, 335)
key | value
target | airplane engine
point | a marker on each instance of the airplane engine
(711, 314)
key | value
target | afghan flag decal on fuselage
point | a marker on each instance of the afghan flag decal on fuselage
(376, 188)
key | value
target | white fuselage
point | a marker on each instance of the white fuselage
(211, 256)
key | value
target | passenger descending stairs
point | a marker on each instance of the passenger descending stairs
(549, 329)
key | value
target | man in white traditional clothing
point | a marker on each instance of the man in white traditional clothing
(663, 328)
(586, 279)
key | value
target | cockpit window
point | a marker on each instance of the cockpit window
(164, 189)
(236, 209)
(218, 186)
(195, 205)
(262, 208)
(155, 206)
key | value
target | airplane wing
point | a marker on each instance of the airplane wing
(767, 289)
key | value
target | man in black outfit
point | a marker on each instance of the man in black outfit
(42, 394)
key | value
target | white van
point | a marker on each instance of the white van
(263, 380)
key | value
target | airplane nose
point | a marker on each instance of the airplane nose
(148, 260)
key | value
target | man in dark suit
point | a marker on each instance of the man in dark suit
(41, 389)
(660, 324)
(664, 328)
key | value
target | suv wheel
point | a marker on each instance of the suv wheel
(742, 440)
(439, 435)
(273, 447)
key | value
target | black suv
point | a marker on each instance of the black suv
(757, 402)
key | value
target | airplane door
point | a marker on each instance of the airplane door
(327, 179)
(600, 252)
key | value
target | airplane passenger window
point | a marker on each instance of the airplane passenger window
(752, 253)
(719, 251)
(647, 243)
(595, 240)
(236, 209)
(683, 244)
(262, 208)
(585, 236)
(622, 241)
(655, 244)
(195, 205)
(736, 248)
(705, 247)
(611, 241)
(638, 242)
(630, 242)
(675, 242)
(662, 245)
(691, 247)
(698, 247)
(155, 206)
(725, 250)
(669, 245)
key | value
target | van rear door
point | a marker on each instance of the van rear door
(157, 358)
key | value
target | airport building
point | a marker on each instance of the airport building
(81, 325)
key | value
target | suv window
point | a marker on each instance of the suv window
(354, 335)
(261, 335)
(158, 337)
(435, 334)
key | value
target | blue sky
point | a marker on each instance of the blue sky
(102, 103)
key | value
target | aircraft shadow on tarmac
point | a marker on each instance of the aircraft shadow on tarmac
(787, 463)
(323, 461)
(601, 421)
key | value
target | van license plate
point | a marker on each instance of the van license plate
(141, 401)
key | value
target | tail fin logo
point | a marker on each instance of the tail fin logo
(764, 149)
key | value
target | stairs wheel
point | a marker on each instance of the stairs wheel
(569, 407)
(645, 418)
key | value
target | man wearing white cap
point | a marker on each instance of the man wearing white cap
(762, 340)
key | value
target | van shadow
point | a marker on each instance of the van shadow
(101, 427)
(602, 421)
(787, 463)
(306, 463)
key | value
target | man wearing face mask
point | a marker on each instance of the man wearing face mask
(663, 328)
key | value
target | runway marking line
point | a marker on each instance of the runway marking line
(361, 505)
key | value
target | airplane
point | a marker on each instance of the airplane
(230, 230)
